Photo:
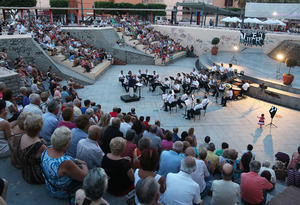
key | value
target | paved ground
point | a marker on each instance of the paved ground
(256, 63)
(235, 124)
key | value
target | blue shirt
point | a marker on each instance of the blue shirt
(64, 94)
(50, 123)
(176, 137)
(170, 162)
(83, 109)
(25, 101)
(77, 135)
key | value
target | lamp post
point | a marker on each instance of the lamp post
(280, 58)
(235, 50)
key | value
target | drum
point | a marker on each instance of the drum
(236, 90)
(239, 84)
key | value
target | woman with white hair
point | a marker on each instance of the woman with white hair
(63, 174)
(30, 148)
(92, 117)
(118, 168)
(93, 187)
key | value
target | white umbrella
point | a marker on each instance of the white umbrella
(235, 19)
(257, 21)
(231, 19)
(280, 23)
(227, 19)
(248, 20)
(270, 22)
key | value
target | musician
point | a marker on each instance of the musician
(145, 77)
(139, 76)
(176, 86)
(245, 87)
(131, 84)
(228, 96)
(222, 69)
(197, 107)
(205, 101)
(182, 99)
(125, 83)
(230, 71)
(204, 82)
(155, 82)
(170, 99)
(194, 73)
(179, 78)
(214, 68)
(165, 85)
(219, 89)
(194, 85)
(186, 82)
(121, 77)
(212, 83)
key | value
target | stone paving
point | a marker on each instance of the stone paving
(235, 124)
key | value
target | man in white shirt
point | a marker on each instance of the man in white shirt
(88, 149)
(214, 68)
(34, 106)
(165, 85)
(221, 68)
(266, 167)
(182, 99)
(169, 100)
(245, 87)
(125, 126)
(200, 173)
(191, 112)
(181, 189)
(225, 191)
(228, 96)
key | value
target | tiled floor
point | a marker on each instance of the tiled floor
(235, 124)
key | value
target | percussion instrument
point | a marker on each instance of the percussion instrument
(236, 90)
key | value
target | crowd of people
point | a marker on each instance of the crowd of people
(79, 152)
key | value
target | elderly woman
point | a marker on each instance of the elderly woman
(13, 141)
(68, 117)
(92, 117)
(63, 175)
(5, 131)
(104, 121)
(94, 186)
(11, 107)
(118, 169)
(30, 148)
(149, 161)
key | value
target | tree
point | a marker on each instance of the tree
(290, 63)
(59, 4)
(18, 3)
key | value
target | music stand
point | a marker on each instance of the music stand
(272, 112)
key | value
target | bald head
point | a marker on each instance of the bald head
(227, 171)
(94, 132)
(188, 165)
(190, 152)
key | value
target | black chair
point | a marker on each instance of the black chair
(204, 108)
(173, 104)
(197, 112)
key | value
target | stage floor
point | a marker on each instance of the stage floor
(256, 64)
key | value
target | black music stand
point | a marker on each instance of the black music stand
(272, 112)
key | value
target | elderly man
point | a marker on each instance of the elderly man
(212, 157)
(170, 159)
(181, 188)
(200, 173)
(34, 106)
(155, 140)
(88, 149)
(224, 191)
(82, 122)
(253, 186)
(50, 121)
(266, 167)
(111, 132)
(147, 191)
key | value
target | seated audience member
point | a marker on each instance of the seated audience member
(170, 160)
(30, 148)
(253, 186)
(114, 112)
(191, 141)
(191, 133)
(88, 149)
(87, 104)
(245, 162)
(148, 165)
(82, 122)
(143, 144)
(294, 176)
(155, 140)
(92, 117)
(167, 143)
(3, 190)
(13, 141)
(212, 158)
(130, 146)
(280, 170)
(232, 159)
(147, 191)
(50, 121)
(206, 142)
(93, 187)
(68, 117)
(125, 125)
(267, 175)
(5, 131)
(34, 106)
(224, 191)
(63, 174)
(77, 108)
(175, 135)
(266, 167)
(200, 173)
(110, 132)
(224, 145)
(11, 107)
(249, 149)
(118, 169)
(181, 188)
(295, 159)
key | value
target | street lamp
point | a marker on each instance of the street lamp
(280, 57)
(235, 50)
(274, 13)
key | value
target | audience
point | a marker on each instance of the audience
(5, 131)
(34, 106)
(212, 157)
(130, 146)
(167, 143)
(155, 140)
(3, 191)
(88, 149)
(110, 132)
(147, 191)
(68, 117)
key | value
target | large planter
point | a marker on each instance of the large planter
(214, 51)
(287, 78)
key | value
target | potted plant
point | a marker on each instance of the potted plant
(214, 49)
(288, 77)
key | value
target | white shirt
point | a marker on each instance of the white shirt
(230, 69)
(199, 174)
(214, 68)
(184, 97)
(176, 87)
(121, 75)
(245, 86)
(225, 192)
(222, 69)
(198, 106)
(181, 190)
(124, 127)
(167, 83)
(273, 177)
(229, 93)
(170, 98)
(33, 109)
(195, 83)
